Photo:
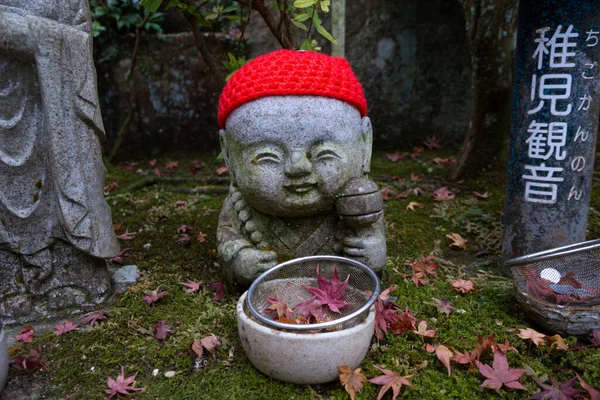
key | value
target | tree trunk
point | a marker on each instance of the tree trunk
(491, 30)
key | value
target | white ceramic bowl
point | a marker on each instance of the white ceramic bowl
(303, 358)
(3, 359)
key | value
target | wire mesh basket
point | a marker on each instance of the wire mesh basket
(291, 283)
(561, 287)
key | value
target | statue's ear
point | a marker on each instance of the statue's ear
(367, 135)
(225, 152)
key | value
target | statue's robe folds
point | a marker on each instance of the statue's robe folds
(51, 171)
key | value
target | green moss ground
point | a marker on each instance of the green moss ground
(81, 361)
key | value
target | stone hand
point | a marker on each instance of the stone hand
(251, 262)
(366, 245)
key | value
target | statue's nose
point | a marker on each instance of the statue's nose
(298, 165)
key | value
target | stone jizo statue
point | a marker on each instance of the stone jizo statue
(297, 142)
(55, 227)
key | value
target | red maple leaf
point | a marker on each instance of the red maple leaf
(443, 194)
(390, 194)
(196, 165)
(596, 337)
(67, 327)
(499, 374)
(463, 286)
(330, 293)
(162, 329)
(422, 267)
(185, 240)
(385, 315)
(280, 307)
(390, 380)
(432, 143)
(121, 385)
(184, 229)
(396, 156)
(218, 286)
(443, 306)
(171, 165)
(311, 309)
(120, 258)
(201, 237)
(126, 235)
(557, 391)
(594, 394)
(483, 344)
(93, 318)
(210, 343)
(31, 361)
(222, 171)
(404, 322)
(152, 163)
(154, 295)
(111, 187)
(26, 335)
(192, 286)
(462, 358)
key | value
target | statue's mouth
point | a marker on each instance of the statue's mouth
(301, 187)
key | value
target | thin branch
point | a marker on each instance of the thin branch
(130, 95)
(259, 6)
(311, 21)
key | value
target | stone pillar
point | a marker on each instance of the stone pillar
(55, 227)
(556, 103)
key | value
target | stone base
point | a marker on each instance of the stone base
(52, 283)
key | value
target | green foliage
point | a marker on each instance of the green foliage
(122, 16)
(233, 64)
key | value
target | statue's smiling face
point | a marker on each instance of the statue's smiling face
(290, 156)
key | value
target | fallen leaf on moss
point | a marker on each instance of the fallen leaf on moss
(411, 206)
(463, 286)
(184, 229)
(201, 237)
(558, 343)
(594, 394)
(506, 347)
(210, 343)
(444, 354)
(192, 286)
(539, 339)
(93, 318)
(31, 361)
(443, 194)
(500, 374)
(557, 391)
(351, 380)
(162, 329)
(154, 295)
(26, 335)
(121, 385)
(458, 242)
(222, 171)
(126, 235)
(481, 196)
(68, 326)
(220, 290)
(390, 380)
(423, 331)
(120, 258)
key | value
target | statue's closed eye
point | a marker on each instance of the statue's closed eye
(266, 157)
(327, 155)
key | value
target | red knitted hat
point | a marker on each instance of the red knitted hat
(291, 72)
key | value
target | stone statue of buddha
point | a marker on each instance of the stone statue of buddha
(297, 142)
(55, 226)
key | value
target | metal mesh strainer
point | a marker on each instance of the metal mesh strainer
(568, 275)
(287, 279)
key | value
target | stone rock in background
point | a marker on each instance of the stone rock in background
(176, 97)
(413, 60)
(55, 227)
